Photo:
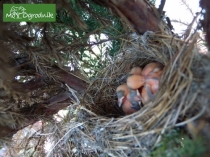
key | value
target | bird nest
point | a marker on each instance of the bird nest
(96, 126)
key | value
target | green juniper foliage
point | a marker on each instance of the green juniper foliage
(178, 144)
(103, 31)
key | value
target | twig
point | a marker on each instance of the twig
(193, 118)
(161, 6)
(79, 124)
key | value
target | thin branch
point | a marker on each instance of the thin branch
(187, 6)
(161, 6)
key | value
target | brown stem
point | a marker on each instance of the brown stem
(51, 106)
(73, 81)
(35, 112)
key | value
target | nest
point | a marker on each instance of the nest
(95, 126)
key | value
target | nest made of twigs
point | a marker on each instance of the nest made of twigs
(99, 128)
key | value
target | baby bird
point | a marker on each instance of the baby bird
(129, 99)
(135, 98)
(152, 84)
(136, 71)
(135, 81)
(127, 109)
(152, 68)
(122, 92)
(146, 94)
(152, 80)
(152, 73)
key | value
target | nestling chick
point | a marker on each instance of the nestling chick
(152, 68)
(151, 73)
(146, 94)
(136, 71)
(129, 99)
(135, 98)
(132, 103)
(122, 92)
(153, 84)
(127, 109)
(135, 81)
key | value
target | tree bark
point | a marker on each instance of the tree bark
(49, 107)
(140, 15)
(205, 4)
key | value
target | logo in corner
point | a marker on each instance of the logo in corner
(29, 12)
(15, 12)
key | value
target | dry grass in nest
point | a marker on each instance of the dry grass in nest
(99, 127)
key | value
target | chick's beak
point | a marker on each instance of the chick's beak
(135, 99)
(127, 107)
(121, 98)
(120, 101)
(136, 105)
